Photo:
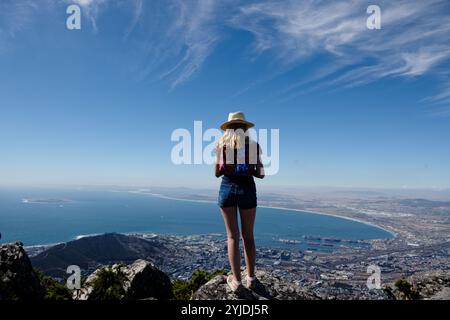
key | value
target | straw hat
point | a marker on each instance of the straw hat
(236, 117)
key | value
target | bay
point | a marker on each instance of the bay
(39, 216)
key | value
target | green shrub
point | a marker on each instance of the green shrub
(183, 289)
(53, 289)
(108, 285)
(406, 288)
(6, 293)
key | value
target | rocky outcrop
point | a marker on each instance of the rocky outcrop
(425, 286)
(271, 287)
(146, 281)
(142, 280)
(433, 286)
(18, 281)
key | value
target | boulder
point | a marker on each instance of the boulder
(434, 285)
(146, 281)
(142, 280)
(18, 281)
(271, 287)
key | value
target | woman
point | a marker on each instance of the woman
(238, 161)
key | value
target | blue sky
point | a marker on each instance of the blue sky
(355, 107)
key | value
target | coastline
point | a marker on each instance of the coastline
(161, 196)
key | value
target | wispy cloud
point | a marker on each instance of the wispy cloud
(173, 38)
(15, 17)
(138, 8)
(198, 38)
(91, 9)
(440, 102)
(181, 36)
(414, 39)
(442, 96)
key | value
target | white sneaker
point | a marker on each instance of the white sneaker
(235, 286)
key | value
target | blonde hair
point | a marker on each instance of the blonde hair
(233, 139)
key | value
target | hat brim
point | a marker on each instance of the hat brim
(226, 124)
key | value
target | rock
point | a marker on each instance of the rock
(426, 286)
(442, 294)
(146, 281)
(142, 281)
(18, 281)
(272, 288)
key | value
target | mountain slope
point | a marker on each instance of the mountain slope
(90, 252)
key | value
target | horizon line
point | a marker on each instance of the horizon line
(38, 185)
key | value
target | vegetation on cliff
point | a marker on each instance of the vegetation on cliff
(184, 289)
(54, 290)
(108, 285)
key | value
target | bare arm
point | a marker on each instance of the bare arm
(259, 172)
(217, 170)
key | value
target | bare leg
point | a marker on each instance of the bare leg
(247, 224)
(230, 218)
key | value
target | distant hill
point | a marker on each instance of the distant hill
(90, 252)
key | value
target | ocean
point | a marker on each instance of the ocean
(38, 216)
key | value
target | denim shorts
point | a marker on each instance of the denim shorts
(237, 194)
